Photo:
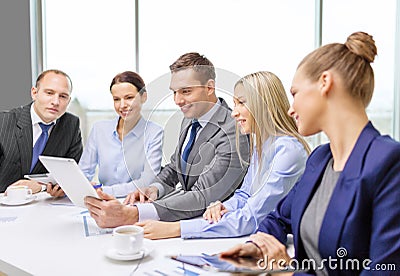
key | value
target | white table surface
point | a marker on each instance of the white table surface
(46, 237)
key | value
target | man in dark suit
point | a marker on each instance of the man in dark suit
(205, 166)
(45, 122)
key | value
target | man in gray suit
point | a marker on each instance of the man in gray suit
(205, 166)
(44, 122)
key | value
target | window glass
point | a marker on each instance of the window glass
(240, 36)
(379, 20)
(91, 41)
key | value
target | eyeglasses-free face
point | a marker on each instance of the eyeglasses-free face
(194, 98)
(51, 97)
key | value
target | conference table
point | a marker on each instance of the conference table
(51, 236)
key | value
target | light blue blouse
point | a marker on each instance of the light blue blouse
(284, 160)
(123, 165)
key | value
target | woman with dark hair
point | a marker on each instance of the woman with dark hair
(127, 149)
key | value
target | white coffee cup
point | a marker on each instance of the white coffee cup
(18, 193)
(128, 239)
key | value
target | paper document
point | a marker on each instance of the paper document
(91, 229)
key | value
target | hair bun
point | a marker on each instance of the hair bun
(362, 44)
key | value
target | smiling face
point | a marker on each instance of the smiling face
(51, 97)
(240, 111)
(127, 100)
(194, 98)
(308, 105)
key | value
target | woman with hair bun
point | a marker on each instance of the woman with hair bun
(344, 212)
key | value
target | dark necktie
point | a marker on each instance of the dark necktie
(40, 143)
(189, 146)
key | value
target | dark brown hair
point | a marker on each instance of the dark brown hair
(350, 60)
(130, 77)
(199, 63)
(55, 71)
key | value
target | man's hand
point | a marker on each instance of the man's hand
(55, 190)
(214, 212)
(109, 212)
(148, 194)
(155, 230)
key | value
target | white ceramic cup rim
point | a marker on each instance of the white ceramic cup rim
(18, 192)
(136, 229)
(17, 188)
(128, 243)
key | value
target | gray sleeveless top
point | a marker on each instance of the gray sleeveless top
(311, 222)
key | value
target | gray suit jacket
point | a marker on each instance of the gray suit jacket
(214, 169)
(16, 143)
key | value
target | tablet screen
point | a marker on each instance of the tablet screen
(215, 263)
(42, 178)
(70, 178)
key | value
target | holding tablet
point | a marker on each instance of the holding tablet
(70, 178)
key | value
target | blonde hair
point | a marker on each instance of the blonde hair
(350, 60)
(268, 104)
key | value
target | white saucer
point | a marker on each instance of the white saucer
(5, 201)
(113, 254)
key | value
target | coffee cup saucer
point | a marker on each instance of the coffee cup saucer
(6, 201)
(113, 254)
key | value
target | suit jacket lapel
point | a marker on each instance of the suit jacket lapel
(24, 138)
(211, 127)
(185, 127)
(312, 179)
(344, 193)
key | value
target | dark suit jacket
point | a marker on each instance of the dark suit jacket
(363, 215)
(214, 169)
(16, 143)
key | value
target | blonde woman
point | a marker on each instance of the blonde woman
(277, 162)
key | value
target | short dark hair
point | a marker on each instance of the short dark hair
(55, 71)
(130, 77)
(199, 63)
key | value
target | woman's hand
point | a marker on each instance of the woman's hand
(274, 253)
(214, 212)
(271, 253)
(248, 249)
(155, 230)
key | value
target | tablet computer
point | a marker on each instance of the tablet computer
(70, 178)
(215, 263)
(41, 178)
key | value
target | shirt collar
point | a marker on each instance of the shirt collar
(137, 130)
(36, 119)
(203, 120)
